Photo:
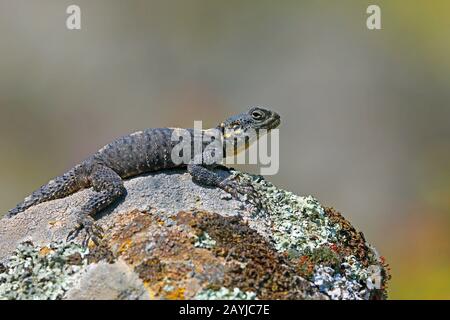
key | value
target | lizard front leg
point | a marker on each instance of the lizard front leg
(108, 187)
(203, 174)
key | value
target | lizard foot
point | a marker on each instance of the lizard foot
(92, 231)
(236, 187)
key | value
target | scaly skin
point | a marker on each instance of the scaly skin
(137, 153)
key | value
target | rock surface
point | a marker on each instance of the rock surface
(172, 239)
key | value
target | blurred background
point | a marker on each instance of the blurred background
(365, 114)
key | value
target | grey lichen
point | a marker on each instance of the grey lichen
(354, 283)
(301, 228)
(225, 294)
(34, 272)
(299, 224)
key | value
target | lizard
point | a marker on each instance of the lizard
(142, 152)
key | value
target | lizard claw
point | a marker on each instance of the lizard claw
(235, 187)
(92, 231)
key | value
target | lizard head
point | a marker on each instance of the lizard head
(244, 128)
(254, 119)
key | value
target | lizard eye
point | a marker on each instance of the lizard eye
(257, 115)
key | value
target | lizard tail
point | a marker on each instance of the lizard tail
(57, 188)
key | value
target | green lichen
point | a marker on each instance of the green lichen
(301, 228)
(204, 241)
(299, 224)
(41, 273)
(225, 294)
(327, 257)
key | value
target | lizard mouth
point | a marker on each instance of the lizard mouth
(273, 122)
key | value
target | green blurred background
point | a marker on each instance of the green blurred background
(366, 114)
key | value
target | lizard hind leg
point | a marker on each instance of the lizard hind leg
(108, 187)
(60, 187)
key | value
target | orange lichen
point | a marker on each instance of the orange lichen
(252, 264)
(176, 294)
(305, 267)
(44, 251)
(172, 267)
(124, 246)
(353, 242)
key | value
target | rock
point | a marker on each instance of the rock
(108, 281)
(172, 239)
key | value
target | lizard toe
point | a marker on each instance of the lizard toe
(92, 231)
(74, 232)
(236, 188)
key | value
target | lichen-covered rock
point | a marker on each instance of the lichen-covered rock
(172, 239)
(41, 272)
(108, 281)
